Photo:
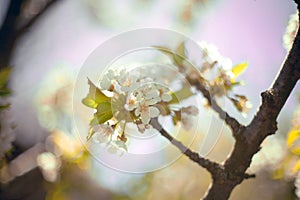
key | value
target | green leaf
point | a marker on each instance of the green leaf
(180, 95)
(237, 104)
(95, 96)
(177, 57)
(241, 103)
(180, 54)
(5, 106)
(4, 92)
(90, 134)
(176, 117)
(104, 113)
(4, 75)
(293, 136)
(239, 68)
(181, 49)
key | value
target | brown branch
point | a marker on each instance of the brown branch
(210, 166)
(35, 18)
(8, 32)
(263, 124)
(235, 126)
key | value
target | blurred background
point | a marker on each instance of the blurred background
(45, 42)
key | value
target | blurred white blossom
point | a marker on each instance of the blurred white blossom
(291, 30)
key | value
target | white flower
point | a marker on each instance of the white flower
(212, 57)
(128, 82)
(210, 52)
(146, 112)
(164, 93)
(142, 127)
(108, 79)
(291, 31)
(131, 103)
(103, 133)
(141, 101)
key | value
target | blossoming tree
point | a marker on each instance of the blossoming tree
(140, 97)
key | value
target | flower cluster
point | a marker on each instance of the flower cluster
(219, 72)
(145, 92)
(136, 97)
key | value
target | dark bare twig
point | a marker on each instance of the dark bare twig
(235, 126)
(212, 167)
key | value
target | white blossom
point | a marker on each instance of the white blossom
(103, 133)
(291, 31)
(146, 112)
(142, 127)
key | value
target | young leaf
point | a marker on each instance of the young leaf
(181, 49)
(4, 92)
(4, 75)
(177, 57)
(237, 104)
(180, 95)
(95, 96)
(180, 55)
(293, 136)
(239, 68)
(90, 134)
(101, 118)
(5, 106)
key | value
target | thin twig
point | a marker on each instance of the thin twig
(212, 167)
(235, 126)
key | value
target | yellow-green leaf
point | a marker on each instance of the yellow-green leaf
(95, 96)
(90, 134)
(104, 113)
(180, 55)
(4, 92)
(103, 108)
(180, 95)
(240, 68)
(4, 75)
(176, 57)
(292, 137)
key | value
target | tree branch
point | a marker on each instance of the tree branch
(263, 124)
(8, 32)
(35, 18)
(235, 126)
(212, 167)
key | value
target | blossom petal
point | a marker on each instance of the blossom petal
(153, 111)
(145, 117)
(166, 97)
